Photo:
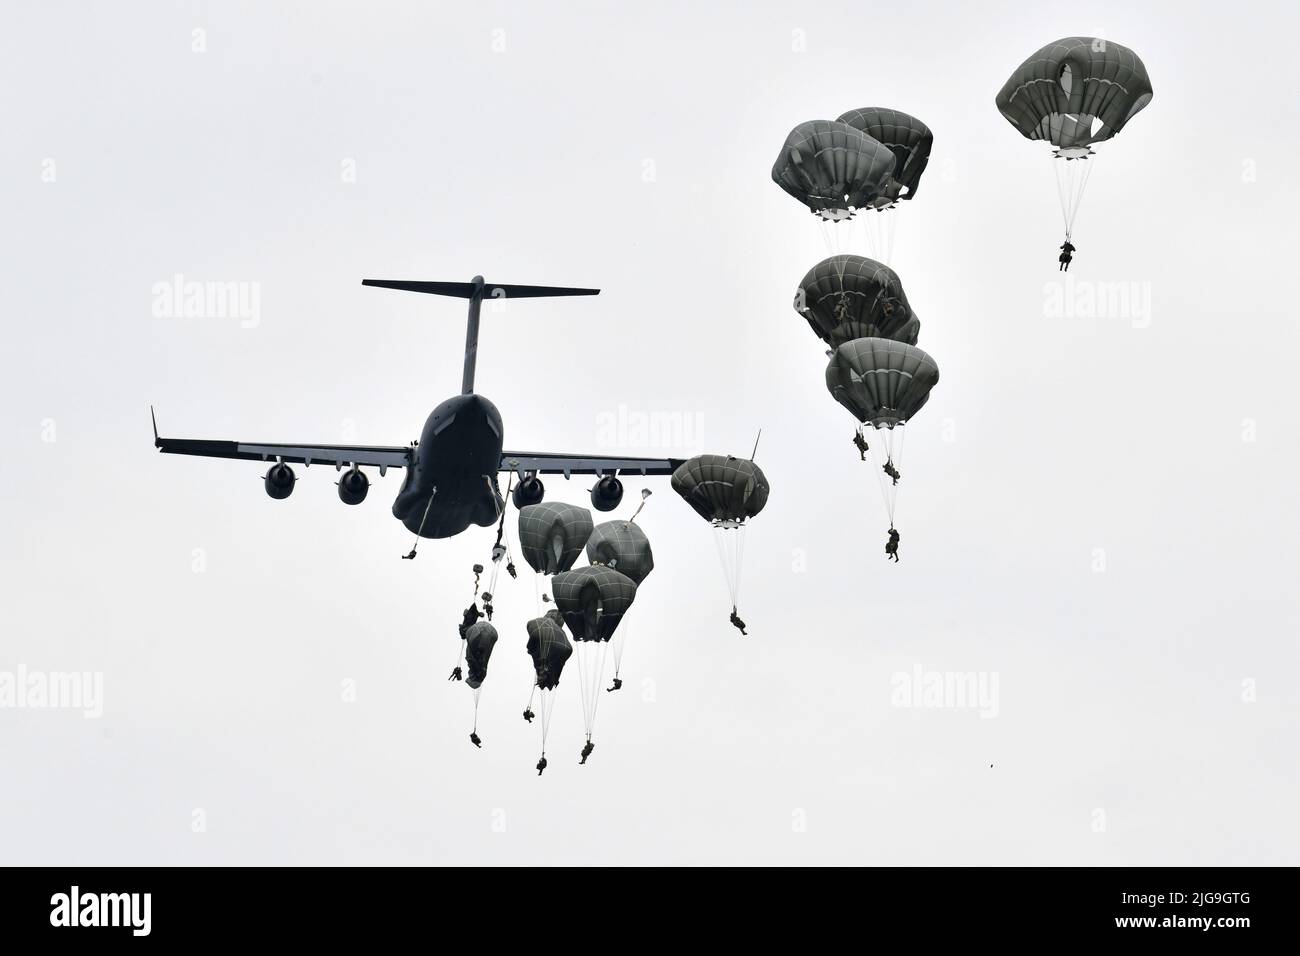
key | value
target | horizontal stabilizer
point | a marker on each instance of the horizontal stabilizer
(460, 290)
(465, 290)
(533, 291)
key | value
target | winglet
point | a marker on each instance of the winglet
(157, 443)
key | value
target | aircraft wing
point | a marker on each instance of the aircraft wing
(547, 463)
(384, 457)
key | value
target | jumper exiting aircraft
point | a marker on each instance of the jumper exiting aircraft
(451, 472)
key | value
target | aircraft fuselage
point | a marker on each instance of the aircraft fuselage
(453, 482)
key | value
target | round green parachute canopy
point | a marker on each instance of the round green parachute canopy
(850, 297)
(549, 648)
(907, 138)
(882, 382)
(480, 638)
(832, 168)
(721, 488)
(1075, 92)
(593, 600)
(623, 546)
(552, 535)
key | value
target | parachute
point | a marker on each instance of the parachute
(592, 600)
(856, 305)
(721, 488)
(883, 384)
(832, 168)
(724, 491)
(552, 535)
(907, 138)
(1074, 93)
(549, 648)
(623, 546)
(480, 638)
(851, 297)
(910, 141)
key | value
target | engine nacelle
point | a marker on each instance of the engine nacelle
(279, 481)
(607, 494)
(353, 486)
(530, 491)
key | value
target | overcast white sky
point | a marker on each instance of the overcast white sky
(1099, 510)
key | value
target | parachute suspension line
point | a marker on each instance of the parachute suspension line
(1063, 173)
(875, 241)
(878, 231)
(1083, 184)
(826, 236)
(868, 237)
(836, 235)
(1071, 181)
(546, 705)
(582, 683)
(887, 449)
(879, 454)
(895, 449)
(729, 537)
(477, 691)
(586, 666)
(619, 640)
(591, 673)
(598, 682)
(890, 226)
(544, 714)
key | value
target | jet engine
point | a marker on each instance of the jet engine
(353, 486)
(279, 481)
(607, 493)
(530, 491)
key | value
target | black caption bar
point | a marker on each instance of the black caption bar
(130, 906)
